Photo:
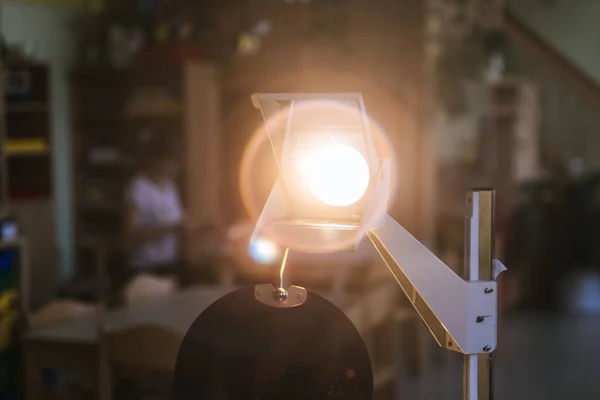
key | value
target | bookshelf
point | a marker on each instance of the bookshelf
(115, 113)
(26, 164)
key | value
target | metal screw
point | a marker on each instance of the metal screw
(259, 292)
(450, 343)
(300, 297)
(488, 290)
(479, 320)
(487, 348)
(280, 295)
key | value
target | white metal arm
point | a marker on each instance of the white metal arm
(461, 315)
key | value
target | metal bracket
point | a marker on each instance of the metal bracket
(461, 315)
(267, 294)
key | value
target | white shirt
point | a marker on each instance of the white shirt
(158, 206)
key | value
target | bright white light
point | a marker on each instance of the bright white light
(264, 251)
(337, 175)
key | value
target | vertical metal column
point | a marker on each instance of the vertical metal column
(479, 253)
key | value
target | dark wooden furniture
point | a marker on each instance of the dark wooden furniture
(26, 165)
(115, 113)
(124, 356)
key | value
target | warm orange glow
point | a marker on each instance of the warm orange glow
(259, 169)
(337, 174)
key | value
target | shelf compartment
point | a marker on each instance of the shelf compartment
(29, 178)
(25, 147)
(26, 83)
(25, 125)
(27, 107)
(100, 223)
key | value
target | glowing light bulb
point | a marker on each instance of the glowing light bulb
(263, 250)
(337, 175)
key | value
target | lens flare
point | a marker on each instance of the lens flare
(264, 251)
(337, 175)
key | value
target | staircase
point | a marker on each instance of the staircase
(569, 26)
(578, 73)
(555, 42)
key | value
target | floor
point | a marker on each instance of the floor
(538, 357)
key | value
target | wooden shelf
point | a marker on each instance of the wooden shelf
(132, 76)
(9, 244)
(25, 107)
(504, 111)
(36, 153)
(26, 147)
(102, 208)
(118, 119)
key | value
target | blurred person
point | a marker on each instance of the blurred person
(155, 221)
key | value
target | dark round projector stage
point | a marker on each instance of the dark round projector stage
(242, 349)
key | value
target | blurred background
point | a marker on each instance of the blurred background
(126, 125)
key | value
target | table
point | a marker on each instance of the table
(73, 345)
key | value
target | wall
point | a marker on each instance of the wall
(569, 121)
(46, 28)
(570, 25)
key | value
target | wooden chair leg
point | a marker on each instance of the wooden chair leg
(33, 375)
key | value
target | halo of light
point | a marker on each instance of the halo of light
(263, 250)
(337, 175)
(258, 172)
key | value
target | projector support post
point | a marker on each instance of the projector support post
(459, 311)
(479, 256)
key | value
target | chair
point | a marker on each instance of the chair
(65, 382)
(60, 310)
(144, 286)
(102, 254)
(139, 353)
